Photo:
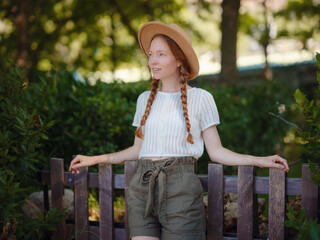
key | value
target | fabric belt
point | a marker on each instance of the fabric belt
(150, 176)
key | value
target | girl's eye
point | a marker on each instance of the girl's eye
(150, 54)
(162, 54)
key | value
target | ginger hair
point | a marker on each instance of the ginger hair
(184, 74)
(154, 89)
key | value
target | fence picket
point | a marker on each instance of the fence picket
(81, 204)
(215, 202)
(57, 194)
(247, 203)
(277, 203)
(106, 201)
(310, 196)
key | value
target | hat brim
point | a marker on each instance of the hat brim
(150, 29)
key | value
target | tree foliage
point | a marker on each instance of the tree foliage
(300, 20)
(94, 35)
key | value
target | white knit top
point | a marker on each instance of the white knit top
(165, 132)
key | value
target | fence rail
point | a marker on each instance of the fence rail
(246, 185)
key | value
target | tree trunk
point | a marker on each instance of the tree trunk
(266, 41)
(267, 72)
(21, 22)
(113, 46)
(229, 29)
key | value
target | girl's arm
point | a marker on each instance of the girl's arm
(218, 153)
(131, 153)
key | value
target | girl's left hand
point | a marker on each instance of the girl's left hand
(274, 161)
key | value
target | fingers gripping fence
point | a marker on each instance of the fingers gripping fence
(246, 185)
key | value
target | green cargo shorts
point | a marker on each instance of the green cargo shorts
(165, 200)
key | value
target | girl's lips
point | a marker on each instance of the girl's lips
(155, 70)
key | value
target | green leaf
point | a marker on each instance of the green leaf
(301, 217)
(314, 230)
(289, 223)
(44, 136)
(50, 124)
(21, 123)
(291, 215)
(299, 97)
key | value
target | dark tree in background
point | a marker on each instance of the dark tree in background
(229, 29)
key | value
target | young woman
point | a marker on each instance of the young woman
(173, 122)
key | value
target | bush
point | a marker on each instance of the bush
(21, 134)
(89, 118)
(310, 139)
(247, 125)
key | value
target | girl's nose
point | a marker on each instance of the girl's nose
(153, 60)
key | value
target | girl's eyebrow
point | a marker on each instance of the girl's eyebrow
(159, 51)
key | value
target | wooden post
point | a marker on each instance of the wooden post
(106, 201)
(309, 193)
(57, 194)
(130, 168)
(215, 202)
(246, 203)
(277, 203)
(81, 204)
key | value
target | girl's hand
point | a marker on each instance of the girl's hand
(274, 161)
(81, 161)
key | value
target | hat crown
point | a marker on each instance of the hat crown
(180, 30)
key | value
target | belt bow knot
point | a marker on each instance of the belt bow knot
(149, 177)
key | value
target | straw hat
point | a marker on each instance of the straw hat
(150, 29)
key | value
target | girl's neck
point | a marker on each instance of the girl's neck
(171, 86)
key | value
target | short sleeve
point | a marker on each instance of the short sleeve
(140, 108)
(209, 111)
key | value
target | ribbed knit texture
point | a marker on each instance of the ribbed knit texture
(165, 132)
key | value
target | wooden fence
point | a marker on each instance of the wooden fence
(246, 185)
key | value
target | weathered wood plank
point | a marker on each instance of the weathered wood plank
(293, 186)
(57, 194)
(310, 199)
(81, 204)
(215, 202)
(246, 202)
(277, 204)
(106, 201)
(230, 184)
(130, 168)
(261, 186)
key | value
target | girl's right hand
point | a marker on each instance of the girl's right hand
(81, 161)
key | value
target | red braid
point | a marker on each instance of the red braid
(154, 88)
(184, 100)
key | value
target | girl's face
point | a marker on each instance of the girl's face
(162, 62)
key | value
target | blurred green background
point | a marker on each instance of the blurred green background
(71, 72)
